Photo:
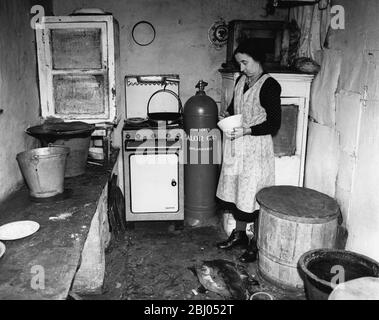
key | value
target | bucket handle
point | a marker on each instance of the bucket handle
(55, 145)
(180, 106)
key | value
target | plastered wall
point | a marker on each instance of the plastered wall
(347, 166)
(181, 45)
(18, 89)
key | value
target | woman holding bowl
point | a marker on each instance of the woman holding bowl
(248, 160)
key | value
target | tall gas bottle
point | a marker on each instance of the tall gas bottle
(202, 158)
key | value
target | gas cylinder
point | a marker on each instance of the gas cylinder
(202, 158)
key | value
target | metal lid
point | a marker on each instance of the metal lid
(300, 204)
(61, 129)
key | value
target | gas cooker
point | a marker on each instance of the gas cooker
(147, 130)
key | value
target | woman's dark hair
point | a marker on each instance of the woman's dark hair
(251, 48)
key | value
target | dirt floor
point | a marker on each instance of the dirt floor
(152, 262)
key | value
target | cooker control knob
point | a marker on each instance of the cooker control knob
(138, 136)
(173, 183)
(168, 135)
(127, 136)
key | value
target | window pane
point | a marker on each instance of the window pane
(76, 49)
(79, 94)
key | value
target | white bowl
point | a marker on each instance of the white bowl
(229, 123)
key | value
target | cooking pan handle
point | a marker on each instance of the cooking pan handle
(180, 107)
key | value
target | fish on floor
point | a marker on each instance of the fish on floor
(225, 278)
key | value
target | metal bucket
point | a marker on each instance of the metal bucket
(74, 135)
(43, 170)
(77, 159)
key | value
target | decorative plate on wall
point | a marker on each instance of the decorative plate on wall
(218, 34)
(143, 33)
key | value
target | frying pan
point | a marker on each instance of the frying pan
(167, 117)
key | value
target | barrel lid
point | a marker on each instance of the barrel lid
(298, 203)
(61, 128)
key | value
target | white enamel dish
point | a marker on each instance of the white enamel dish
(18, 230)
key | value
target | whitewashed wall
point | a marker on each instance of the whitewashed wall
(343, 149)
(18, 89)
(181, 45)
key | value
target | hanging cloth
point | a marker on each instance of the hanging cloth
(314, 24)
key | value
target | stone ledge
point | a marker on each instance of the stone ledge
(63, 244)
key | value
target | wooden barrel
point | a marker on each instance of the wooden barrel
(292, 221)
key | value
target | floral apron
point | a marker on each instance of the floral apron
(248, 162)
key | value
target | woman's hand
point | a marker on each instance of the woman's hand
(223, 114)
(237, 133)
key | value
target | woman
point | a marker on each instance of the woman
(248, 161)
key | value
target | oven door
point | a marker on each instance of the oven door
(154, 182)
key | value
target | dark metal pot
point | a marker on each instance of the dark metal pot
(167, 117)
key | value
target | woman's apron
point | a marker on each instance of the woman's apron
(248, 162)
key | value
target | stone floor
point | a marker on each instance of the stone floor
(151, 262)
